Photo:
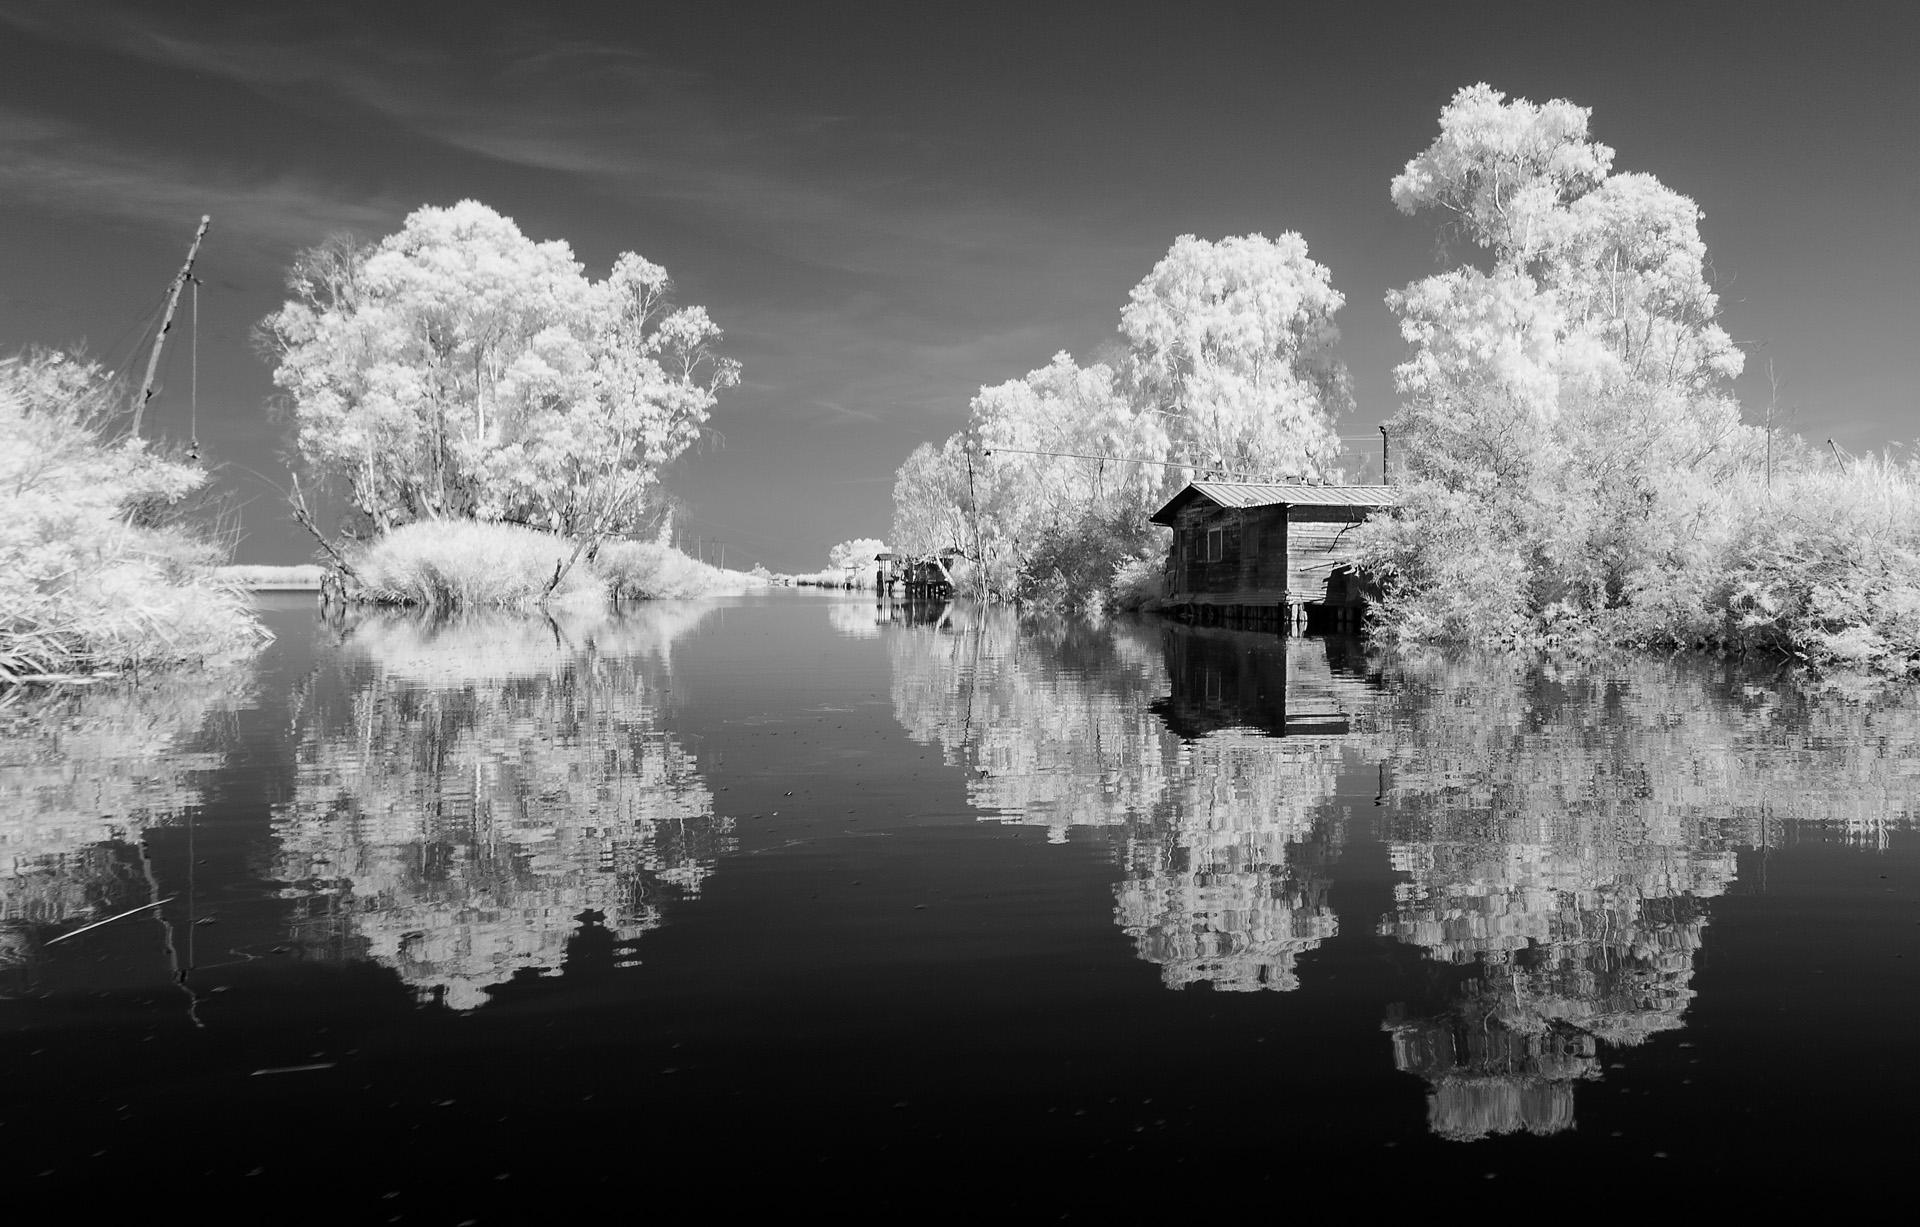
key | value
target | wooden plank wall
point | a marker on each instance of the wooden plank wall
(1269, 553)
(1320, 541)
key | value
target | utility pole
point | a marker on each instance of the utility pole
(1773, 404)
(180, 280)
(973, 506)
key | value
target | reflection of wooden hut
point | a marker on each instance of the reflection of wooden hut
(1260, 554)
(1488, 1076)
(1230, 679)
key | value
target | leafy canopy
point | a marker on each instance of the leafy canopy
(1227, 371)
(1565, 410)
(459, 369)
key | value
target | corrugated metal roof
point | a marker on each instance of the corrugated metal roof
(1262, 494)
(1273, 494)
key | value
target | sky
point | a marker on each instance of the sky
(888, 206)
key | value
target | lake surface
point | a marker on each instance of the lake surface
(803, 900)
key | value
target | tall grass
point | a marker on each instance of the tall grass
(463, 563)
(93, 574)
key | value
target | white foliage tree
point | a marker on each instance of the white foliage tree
(1228, 372)
(859, 554)
(1563, 409)
(459, 369)
(1235, 340)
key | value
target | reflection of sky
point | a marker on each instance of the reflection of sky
(472, 787)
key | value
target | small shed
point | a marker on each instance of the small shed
(922, 576)
(1257, 553)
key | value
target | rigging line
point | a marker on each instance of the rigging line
(123, 369)
(143, 322)
(193, 395)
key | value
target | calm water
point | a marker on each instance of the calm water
(802, 901)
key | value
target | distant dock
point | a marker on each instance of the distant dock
(272, 579)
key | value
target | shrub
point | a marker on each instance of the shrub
(647, 570)
(1826, 564)
(1822, 563)
(462, 563)
(1137, 582)
(87, 580)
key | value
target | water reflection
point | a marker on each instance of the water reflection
(1558, 828)
(469, 790)
(85, 772)
(1222, 838)
(1562, 828)
(497, 808)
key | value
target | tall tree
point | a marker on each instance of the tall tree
(1228, 371)
(459, 369)
(1563, 408)
(1234, 341)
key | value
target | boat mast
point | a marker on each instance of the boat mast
(173, 301)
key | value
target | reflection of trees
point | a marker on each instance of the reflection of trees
(1561, 829)
(466, 789)
(1221, 838)
(856, 619)
(83, 774)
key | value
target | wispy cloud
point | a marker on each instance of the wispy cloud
(870, 280)
(59, 165)
(620, 122)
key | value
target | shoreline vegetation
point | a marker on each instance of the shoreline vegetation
(106, 565)
(453, 564)
(1573, 468)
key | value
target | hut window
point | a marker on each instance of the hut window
(1216, 544)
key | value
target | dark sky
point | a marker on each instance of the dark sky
(888, 206)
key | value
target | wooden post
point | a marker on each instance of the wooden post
(180, 280)
(1385, 479)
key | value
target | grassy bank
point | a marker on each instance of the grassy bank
(467, 564)
(96, 571)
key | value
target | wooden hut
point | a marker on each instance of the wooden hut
(921, 576)
(1267, 555)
